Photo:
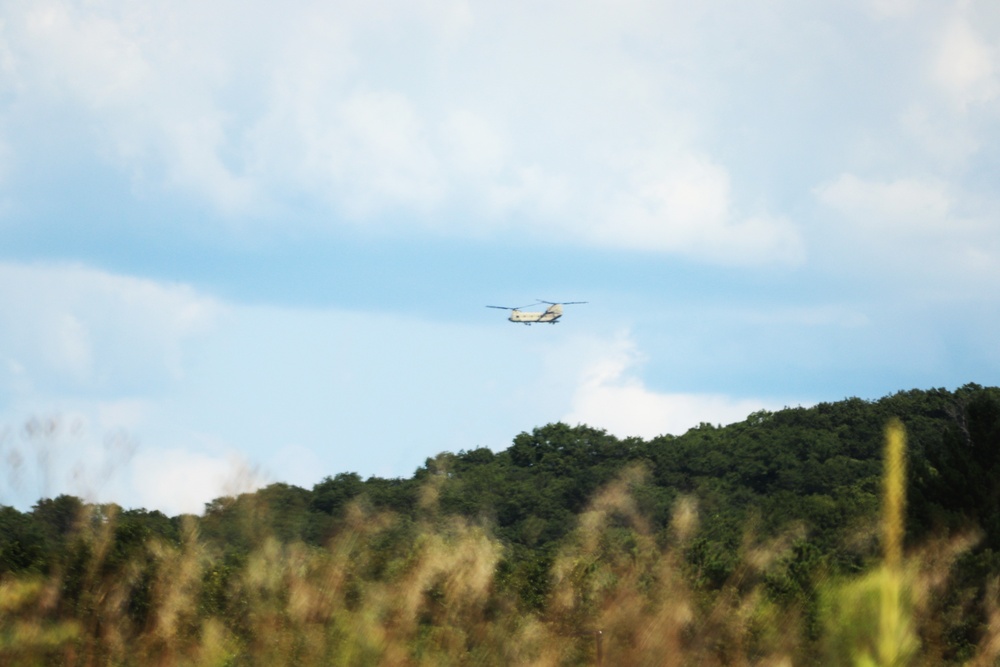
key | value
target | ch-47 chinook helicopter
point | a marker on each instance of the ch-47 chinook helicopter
(550, 315)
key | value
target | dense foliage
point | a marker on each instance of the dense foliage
(696, 546)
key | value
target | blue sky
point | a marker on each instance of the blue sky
(252, 242)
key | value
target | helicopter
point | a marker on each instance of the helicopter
(550, 315)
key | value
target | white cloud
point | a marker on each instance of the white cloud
(397, 114)
(125, 414)
(611, 396)
(224, 103)
(544, 198)
(177, 481)
(966, 65)
(686, 207)
(70, 324)
(914, 205)
(144, 82)
(474, 142)
(67, 346)
(365, 152)
(924, 234)
(195, 163)
(296, 464)
(84, 449)
(948, 109)
(424, 115)
(88, 55)
(892, 8)
(686, 200)
(385, 154)
(118, 451)
(944, 143)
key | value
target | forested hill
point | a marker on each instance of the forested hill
(819, 466)
(810, 475)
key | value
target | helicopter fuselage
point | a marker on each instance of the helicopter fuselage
(550, 316)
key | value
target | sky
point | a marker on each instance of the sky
(251, 242)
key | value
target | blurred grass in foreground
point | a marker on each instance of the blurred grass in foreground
(388, 590)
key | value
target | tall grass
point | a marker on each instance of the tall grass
(388, 590)
(891, 616)
(897, 643)
(871, 619)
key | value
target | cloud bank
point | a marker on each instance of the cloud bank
(612, 396)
